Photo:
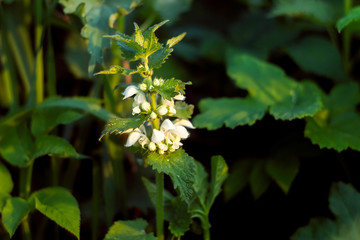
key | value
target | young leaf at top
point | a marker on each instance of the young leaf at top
(344, 203)
(175, 40)
(6, 183)
(129, 230)
(14, 211)
(180, 166)
(340, 127)
(352, 16)
(59, 205)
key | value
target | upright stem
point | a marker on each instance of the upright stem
(160, 206)
(39, 70)
(25, 189)
(347, 38)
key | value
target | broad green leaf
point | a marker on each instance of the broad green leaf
(159, 57)
(180, 218)
(170, 88)
(59, 205)
(180, 167)
(183, 110)
(3, 198)
(339, 128)
(53, 145)
(43, 120)
(129, 230)
(344, 203)
(304, 100)
(318, 55)
(16, 144)
(14, 211)
(283, 171)
(6, 183)
(120, 125)
(259, 179)
(238, 178)
(201, 185)
(90, 105)
(130, 49)
(352, 16)
(97, 17)
(320, 11)
(219, 173)
(171, 9)
(229, 111)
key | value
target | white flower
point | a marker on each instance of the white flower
(139, 134)
(156, 82)
(169, 105)
(146, 106)
(153, 115)
(152, 146)
(179, 97)
(139, 98)
(136, 110)
(142, 86)
(162, 110)
(130, 91)
(157, 136)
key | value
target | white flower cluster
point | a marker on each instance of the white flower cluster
(170, 134)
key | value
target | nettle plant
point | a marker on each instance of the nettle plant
(159, 122)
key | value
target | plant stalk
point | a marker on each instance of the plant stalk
(160, 206)
(25, 190)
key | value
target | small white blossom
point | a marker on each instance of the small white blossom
(156, 82)
(142, 86)
(139, 134)
(157, 136)
(136, 110)
(130, 91)
(162, 110)
(153, 115)
(146, 106)
(179, 97)
(152, 146)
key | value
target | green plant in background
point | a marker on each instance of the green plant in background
(158, 138)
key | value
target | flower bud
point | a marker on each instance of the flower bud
(142, 86)
(156, 82)
(179, 97)
(161, 151)
(162, 110)
(152, 146)
(172, 149)
(153, 115)
(146, 106)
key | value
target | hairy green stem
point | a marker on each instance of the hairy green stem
(160, 206)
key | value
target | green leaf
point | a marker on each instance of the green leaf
(305, 100)
(119, 125)
(283, 171)
(324, 60)
(117, 69)
(339, 128)
(238, 178)
(6, 183)
(129, 230)
(54, 145)
(183, 110)
(229, 111)
(14, 211)
(180, 167)
(170, 88)
(159, 57)
(138, 37)
(259, 179)
(320, 11)
(130, 49)
(180, 218)
(219, 173)
(201, 185)
(175, 40)
(352, 16)
(344, 203)
(97, 15)
(43, 120)
(59, 205)
(90, 105)
(3, 198)
(16, 144)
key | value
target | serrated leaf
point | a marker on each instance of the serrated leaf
(119, 125)
(180, 167)
(129, 230)
(229, 111)
(305, 100)
(138, 37)
(90, 105)
(6, 183)
(175, 40)
(59, 205)
(259, 179)
(180, 218)
(117, 69)
(170, 88)
(340, 127)
(130, 49)
(219, 173)
(54, 145)
(283, 171)
(352, 16)
(45, 119)
(96, 15)
(14, 211)
(16, 144)
(320, 11)
(344, 203)
(183, 110)
(238, 178)
(324, 60)
(159, 57)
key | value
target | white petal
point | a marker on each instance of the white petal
(140, 98)
(172, 110)
(162, 110)
(167, 125)
(136, 110)
(183, 122)
(152, 146)
(157, 136)
(129, 91)
(132, 138)
(181, 132)
(143, 140)
(179, 97)
(146, 106)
